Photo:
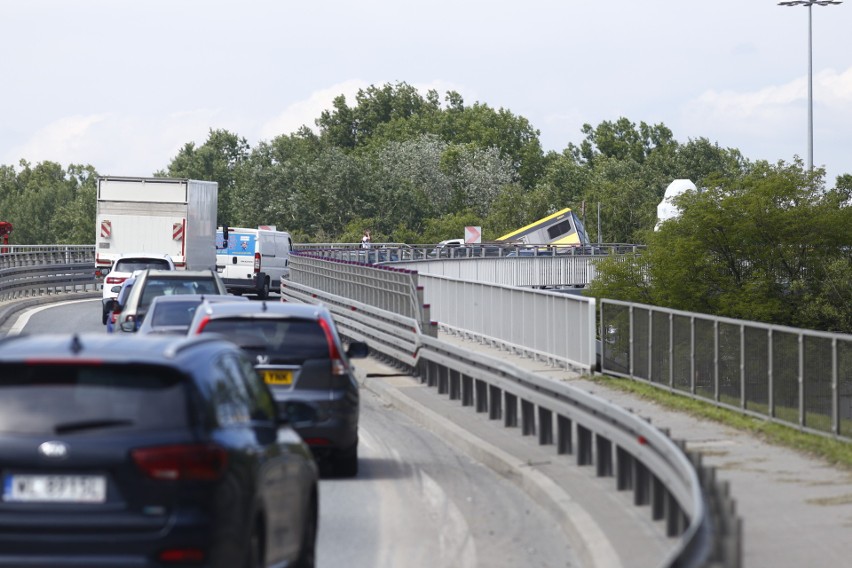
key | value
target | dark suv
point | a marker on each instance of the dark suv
(144, 452)
(298, 352)
(152, 283)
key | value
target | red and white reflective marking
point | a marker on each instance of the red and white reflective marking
(177, 231)
(106, 229)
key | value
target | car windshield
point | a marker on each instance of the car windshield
(178, 313)
(174, 286)
(291, 339)
(131, 264)
(54, 399)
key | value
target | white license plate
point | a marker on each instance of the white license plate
(55, 488)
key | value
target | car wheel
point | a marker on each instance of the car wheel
(254, 554)
(263, 293)
(346, 462)
(308, 550)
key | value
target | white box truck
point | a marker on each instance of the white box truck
(157, 215)
(253, 261)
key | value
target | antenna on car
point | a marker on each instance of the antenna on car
(76, 345)
(264, 308)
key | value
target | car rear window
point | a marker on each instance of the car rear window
(174, 286)
(131, 264)
(64, 399)
(295, 339)
(174, 313)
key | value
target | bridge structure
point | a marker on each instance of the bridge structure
(399, 305)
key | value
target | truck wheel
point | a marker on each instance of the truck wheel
(263, 293)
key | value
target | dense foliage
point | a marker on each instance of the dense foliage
(760, 241)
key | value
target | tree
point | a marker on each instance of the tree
(770, 245)
(219, 159)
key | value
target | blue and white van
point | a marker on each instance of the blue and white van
(253, 261)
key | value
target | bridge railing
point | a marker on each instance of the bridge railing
(38, 270)
(797, 377)
(696, 510)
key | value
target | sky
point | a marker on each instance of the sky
(124, 85)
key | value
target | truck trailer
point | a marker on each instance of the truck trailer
(158, 215)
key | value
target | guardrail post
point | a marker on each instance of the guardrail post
(604, 452)
(584, 445)
(545, 426)
(564, 440)
(527, 418)
(495, 399)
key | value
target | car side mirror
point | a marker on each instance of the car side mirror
(128, 326)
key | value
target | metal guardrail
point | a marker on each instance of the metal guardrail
(797, 377)
(697, 510)
(37, 270)
(558, 328)
(545, 325)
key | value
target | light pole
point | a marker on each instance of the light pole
(810, 3)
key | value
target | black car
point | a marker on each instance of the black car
(299, 353)
(147, 452)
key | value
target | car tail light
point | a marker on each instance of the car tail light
(338, 367)
(115, 279)
(182, 555)
(181, 462)
(203, 323)
(256, 262)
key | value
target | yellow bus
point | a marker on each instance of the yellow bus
(562, 228)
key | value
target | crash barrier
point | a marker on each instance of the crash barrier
(395, 252)
(545, 325)
(38, 270)
(797, 377)
(558, 328)
(696, 509)
(391, 289)
(532, 272)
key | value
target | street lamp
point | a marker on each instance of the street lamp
(810, 3)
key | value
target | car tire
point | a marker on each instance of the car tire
(346, 462)
(263, 293)
(254, 554)
(308, 550)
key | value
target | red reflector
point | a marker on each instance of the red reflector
(317, 441)
(187, 461)
(643, 441)
(182, 555)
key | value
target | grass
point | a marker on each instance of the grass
(836, 452)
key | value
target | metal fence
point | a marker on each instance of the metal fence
(797, 377)
(38, 270)
(555, 327)
(545, 325)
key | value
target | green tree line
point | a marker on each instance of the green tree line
(761, 240)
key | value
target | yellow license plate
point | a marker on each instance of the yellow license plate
(278, 377)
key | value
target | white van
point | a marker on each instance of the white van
(253, 261)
